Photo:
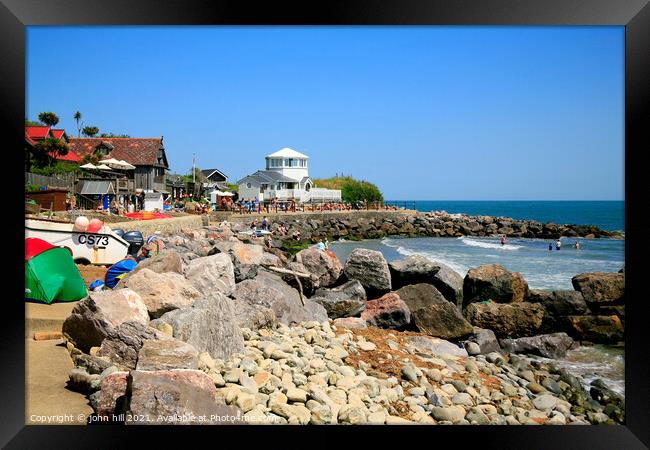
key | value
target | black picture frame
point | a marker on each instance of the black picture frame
(15, 15)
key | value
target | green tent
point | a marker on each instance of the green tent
(51, 275)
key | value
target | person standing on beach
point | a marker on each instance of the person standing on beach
(558, 245)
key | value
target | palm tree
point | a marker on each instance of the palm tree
(48, 118)
(90, 131)
(77, 117)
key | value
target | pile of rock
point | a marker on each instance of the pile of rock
(377, 224)
(217, 330)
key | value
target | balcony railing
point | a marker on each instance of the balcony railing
(282, 194)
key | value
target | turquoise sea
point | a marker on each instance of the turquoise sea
(607, 215)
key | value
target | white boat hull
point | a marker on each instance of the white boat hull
(102, 247)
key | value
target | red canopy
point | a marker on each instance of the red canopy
(36, 246)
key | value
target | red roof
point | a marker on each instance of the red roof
(70, 156)
(136, 151)
(29, 139)
(37, 132)
(57, 133)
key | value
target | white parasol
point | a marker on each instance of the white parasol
(88, 166)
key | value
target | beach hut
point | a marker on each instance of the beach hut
(153, 201)
(50, 273)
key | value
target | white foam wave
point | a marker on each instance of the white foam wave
(434, 257)
(482, 244)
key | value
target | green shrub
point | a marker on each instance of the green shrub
(352, 190)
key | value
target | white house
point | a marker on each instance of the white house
(286, 177)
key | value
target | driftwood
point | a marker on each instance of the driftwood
(296, 275)
(289, 272)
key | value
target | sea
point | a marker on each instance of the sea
(541, 267)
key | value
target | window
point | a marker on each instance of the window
(248, 185)
(289, 162)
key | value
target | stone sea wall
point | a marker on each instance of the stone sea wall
(377, 224)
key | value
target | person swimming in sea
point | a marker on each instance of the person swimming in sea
(558, 245)
(504, 240)
(550, 246)
(577, 245)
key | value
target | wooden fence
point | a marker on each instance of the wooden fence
(62, 180)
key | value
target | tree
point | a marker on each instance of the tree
(32, 123)
(77, 117)
(49, 148)
(48, 118)
(91, 158)
(90, 131)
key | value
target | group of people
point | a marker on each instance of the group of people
(558, 245)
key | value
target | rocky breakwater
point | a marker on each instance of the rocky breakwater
(216, 330)
(377, 224)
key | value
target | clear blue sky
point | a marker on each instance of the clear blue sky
(440, 113)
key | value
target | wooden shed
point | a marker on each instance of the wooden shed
(54, 198)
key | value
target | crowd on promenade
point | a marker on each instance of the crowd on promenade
(256, 207)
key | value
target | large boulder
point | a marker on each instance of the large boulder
(435, 346)
(162, 292)
(346, 300)
(494, 282)
(432, 313)
(370, 268)
(449, 283)
(209, 325)
(164, 262)
(253, 316)
(177, 397)
(95, 316)
(597, 329)
(246, 258)
(388, 311)
(506, 320)
(166, 355)
(111, 399)
(547, 345)
(601, 287)
(270, 291)
(123, 343)
(558, 305)
(412, 270)
(212, 273)
(324, 266)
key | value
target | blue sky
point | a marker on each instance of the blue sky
(440, 113)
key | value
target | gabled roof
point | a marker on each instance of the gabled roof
(209, 172)
(266, 176)
(59, 134)
(136, 151)
(287, 153)
(91, 187)
(70, 156)
(37, 132)
(29, 140)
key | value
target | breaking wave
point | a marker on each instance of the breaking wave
(483, 244)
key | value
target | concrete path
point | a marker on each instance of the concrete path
(44, 317)
(47, 365)
(47, 400)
